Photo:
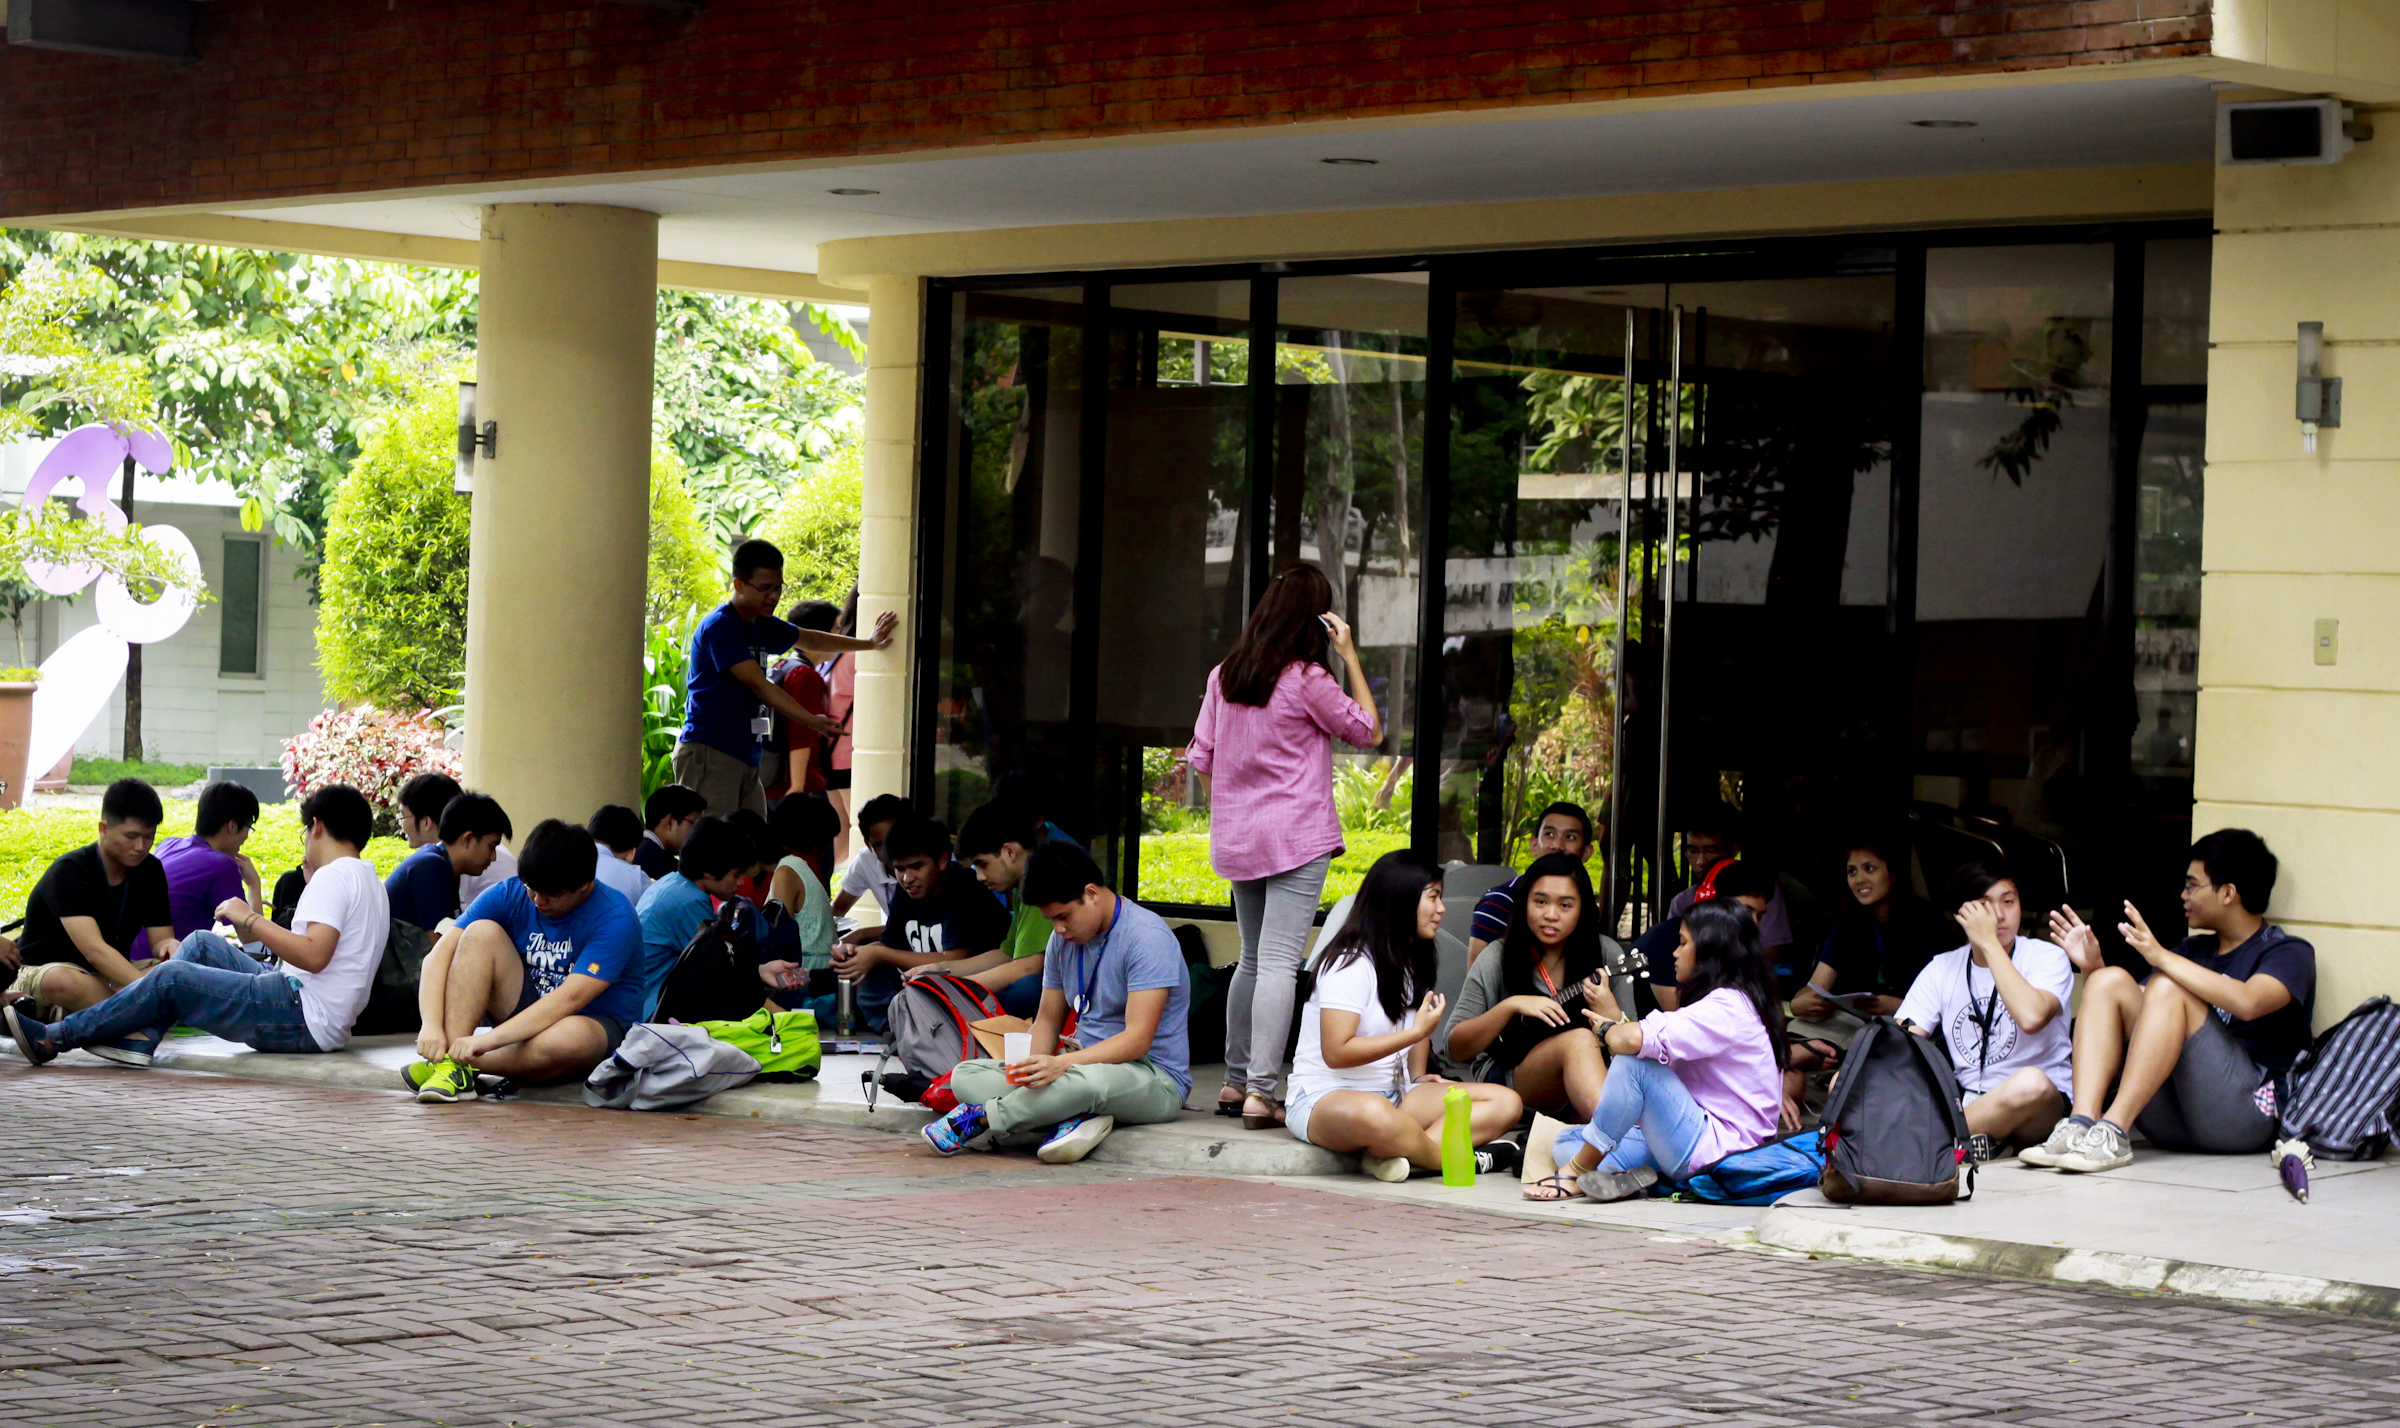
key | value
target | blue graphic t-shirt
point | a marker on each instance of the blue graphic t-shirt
(600, 938)
(718, 708)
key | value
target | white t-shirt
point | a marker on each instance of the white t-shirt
(345, 895)
(474, 885)
(1955, 997)
(864, 876)
(1349, 987)
(614, 872)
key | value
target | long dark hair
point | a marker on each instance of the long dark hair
(1726, 953)
(1383, 930)
(1283, 629)
(1521, 951)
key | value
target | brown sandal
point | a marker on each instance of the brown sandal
(1564, 1187)
(1270, 1121)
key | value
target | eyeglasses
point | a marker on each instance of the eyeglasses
(769, 590)
(2195, 885)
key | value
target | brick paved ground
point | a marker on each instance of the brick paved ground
(177, 1250)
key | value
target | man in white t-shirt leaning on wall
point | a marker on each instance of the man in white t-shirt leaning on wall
(2000, 1004)
(327, 960)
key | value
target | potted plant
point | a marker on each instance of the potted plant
(17, 684)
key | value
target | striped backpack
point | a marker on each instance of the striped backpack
(2344, 1091)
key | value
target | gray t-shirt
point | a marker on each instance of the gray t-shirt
(1137, 953)
(1481, 992)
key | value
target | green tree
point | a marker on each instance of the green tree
(683, 560)
(816, 528)
(392, 614)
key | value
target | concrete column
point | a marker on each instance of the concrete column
(2290, 746)
(561, 514)
(887, 558)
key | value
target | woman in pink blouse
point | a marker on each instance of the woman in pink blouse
(1688, 1087)
(1264, 744)
(841, 690)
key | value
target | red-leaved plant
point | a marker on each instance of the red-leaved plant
(369, 749)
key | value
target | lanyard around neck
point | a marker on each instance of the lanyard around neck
(1098, 947)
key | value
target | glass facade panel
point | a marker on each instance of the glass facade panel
(2013, 699)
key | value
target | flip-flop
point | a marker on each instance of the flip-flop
(1562, 1183)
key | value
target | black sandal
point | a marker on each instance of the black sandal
(1232, 1107)
(1565, 1184)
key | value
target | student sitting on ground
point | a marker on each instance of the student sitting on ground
(1509, 1027)
(714, 858)
(326, 962)
(2194, 1055)
(865, 874)
(1359, 1082)
(2000, 1004)
(546, 960)
(802, 825)
(1117, 967)
(940, 917)
(1746, 883)
(998, 840)
(1714, 837)
(206, 868)
(668, 817)
(1561, 828)
(1878, 943)
(100, 917)
(617, 833)
(424, 888)
(1688, 1087)
(423, 797)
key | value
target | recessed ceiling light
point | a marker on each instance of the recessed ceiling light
(1941, 123)
(854, 192)
(1352, 163)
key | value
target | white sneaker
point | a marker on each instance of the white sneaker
(2050, 1152)
(1071, 1141)
(1392, 1168)
(2102, 1147)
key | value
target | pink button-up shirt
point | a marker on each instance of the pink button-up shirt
(1718, 1048)
(1271, 805)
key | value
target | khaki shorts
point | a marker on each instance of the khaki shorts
(28, 981)
(723, 781)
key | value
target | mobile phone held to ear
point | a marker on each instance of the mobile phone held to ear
(1327, 622)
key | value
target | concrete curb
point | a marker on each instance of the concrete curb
(1191, 1145)
(1818, 1232)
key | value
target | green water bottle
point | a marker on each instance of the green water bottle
(1458, 1140)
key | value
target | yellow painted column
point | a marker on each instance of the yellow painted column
(2293, 742)
(887, 558)
(561, 514)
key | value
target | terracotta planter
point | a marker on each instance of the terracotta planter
(16, 733)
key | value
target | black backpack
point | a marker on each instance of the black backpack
(1894, 1131)
(2344, 1090)
(715, 977)
(391, 1003)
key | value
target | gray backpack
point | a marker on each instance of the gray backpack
(929, 1031)
(659, 1067)
(1894, 1131)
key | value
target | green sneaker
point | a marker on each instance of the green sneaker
(446, 1081)
(415, 1074)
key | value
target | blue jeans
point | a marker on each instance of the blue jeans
(1022, 997)
(873, 998)
(1645, 1117)
(209, 983)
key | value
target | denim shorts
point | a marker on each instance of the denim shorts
(1298, 1103)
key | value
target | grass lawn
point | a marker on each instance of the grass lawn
(1175, 867)
(30, 841)
(157, 775)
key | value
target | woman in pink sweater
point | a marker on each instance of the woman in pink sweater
(1264, 745)
(1687, 1087)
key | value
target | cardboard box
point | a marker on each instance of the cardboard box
(989, 1031)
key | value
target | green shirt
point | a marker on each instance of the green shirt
(1028, 930)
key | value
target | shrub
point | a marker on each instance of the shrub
(816, 528)
(392, 615)
(372, 751)
(684, 562)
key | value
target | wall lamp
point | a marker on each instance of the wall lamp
(471, 440)
(2319, 400)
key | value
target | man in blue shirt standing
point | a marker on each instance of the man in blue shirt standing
(1112, 1041)
(729, 703)
(548, 960)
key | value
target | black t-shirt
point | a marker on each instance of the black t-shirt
(962, 916)
(2275, 1039)
(653, 859)
(77, 886)
(1879, 957)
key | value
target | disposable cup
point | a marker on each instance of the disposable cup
(1015, 1046)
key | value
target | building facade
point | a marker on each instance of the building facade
(1858, 413)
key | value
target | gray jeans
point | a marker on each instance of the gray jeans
(1275, 915)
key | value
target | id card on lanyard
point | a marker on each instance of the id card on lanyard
(1085, 983)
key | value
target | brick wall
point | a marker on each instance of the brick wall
(327, 96)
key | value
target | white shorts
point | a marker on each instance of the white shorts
(1298, 1102)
